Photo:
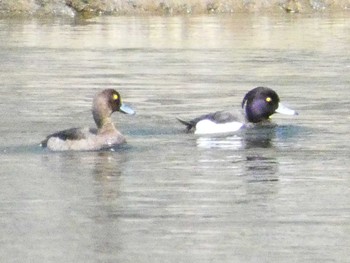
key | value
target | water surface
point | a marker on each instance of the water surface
(267, 195)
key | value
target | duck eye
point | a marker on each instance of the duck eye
(115, 97)
(268, 99)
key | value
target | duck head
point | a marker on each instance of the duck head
(105, 103)
(260, 103)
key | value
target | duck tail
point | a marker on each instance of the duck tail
(43, 143)
(189, 124)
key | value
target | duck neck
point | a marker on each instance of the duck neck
(107, 126)
(103, 121)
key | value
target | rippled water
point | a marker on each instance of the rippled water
(268, 195)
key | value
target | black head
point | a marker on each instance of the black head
(260, 103)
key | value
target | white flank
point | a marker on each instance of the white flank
(209, 127)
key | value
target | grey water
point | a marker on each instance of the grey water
(279, 194)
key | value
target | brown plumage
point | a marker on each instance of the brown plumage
(103, 137)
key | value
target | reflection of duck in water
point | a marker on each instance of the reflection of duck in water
(102, 137)
(260, 137)
(261, 169)
(258, 105)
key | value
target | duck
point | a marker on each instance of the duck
(104, 136)
(257, 105)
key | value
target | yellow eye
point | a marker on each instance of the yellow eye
(268, 99)
(115, 97)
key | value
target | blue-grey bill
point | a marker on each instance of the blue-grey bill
(126, 109)
(285, 110)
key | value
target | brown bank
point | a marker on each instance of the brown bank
(89, 8)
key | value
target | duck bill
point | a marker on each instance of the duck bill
(126, 109)
(285, 110)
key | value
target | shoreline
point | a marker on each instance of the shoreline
(92, 8)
